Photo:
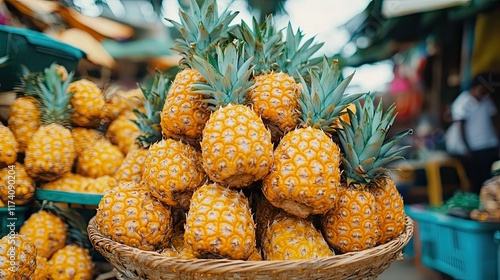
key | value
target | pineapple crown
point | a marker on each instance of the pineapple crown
(364, 140)
(296, 55)
(29, 82)
(322, 101)
(201, 29)
(54, 98)
(264, 43)
(227, 75)
(149, 121)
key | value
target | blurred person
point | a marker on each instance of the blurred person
(472, 137)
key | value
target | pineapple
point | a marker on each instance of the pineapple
(103, 158)
(306, 173)
(236, 146)
(8, 147)
(275, 92)
(122, 132)
(24, 185)
(172, 172)
(46, 230)
(88, 103)
(219, 224)
(51, 152)
(69, 182)
(42, 269)
(370, 210)
(24, 113)
(85, 137)
(292, 238)
(119, 102)
(130, 215)
(101, 184)
(71, 262)
(184, 114)
(148, 122)
(17, 258)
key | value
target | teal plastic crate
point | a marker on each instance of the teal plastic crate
(20, 213)
(463, 249)
(34, 50)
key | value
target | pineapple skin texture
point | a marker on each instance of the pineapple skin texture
(172, 172)
(130, 215)
(132, 166)
(236, 147)
(274, 97)
(24, 120)
(8, 147)
(84, 138)
(123, 132)
(305, 177)
(25, 185)
(219, 224)
(389, 207)
(42, 269)
(100, 160)
(24, 256)
(47, 232)
(50, 152)
(88, 103)
(184, 114)
(292, 238)
(353, 224)
(71, 262)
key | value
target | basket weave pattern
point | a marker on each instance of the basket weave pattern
(132, 263)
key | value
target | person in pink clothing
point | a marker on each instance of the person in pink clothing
(472, 137)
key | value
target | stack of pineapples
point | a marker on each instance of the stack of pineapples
(259, 153)
(63, 134)
(253, 152)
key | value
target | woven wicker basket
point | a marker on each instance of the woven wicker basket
(132, 263)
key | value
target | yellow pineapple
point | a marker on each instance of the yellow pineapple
(292, 238)
(305, 176)
(130, 215)
(71, 262)
(42, 269)
(101, 184)
(119, 102)
(103, 158)
(275, 92)
(219, 224)
(184, 114)
(46, 230)
(123, 132)
(68, 182)
(172, 172)
(50, 151)
(85, 137)
(17, 258)
(8, 146)
(389, 206)
(148, 123)
(370, 211)
(236, 146)
(24, 113)
(87, 101)
(24, 186)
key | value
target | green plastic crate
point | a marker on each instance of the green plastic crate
(18, 218)
(34, 50)
(463, 249)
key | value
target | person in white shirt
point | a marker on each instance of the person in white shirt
(472, 137)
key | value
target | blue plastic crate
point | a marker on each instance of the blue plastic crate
(6, 218)
(463, 249)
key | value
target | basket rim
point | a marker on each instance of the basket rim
(155, 259)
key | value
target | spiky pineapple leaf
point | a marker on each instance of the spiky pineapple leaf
(227, 75)
(323, 99)
(365, 142)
